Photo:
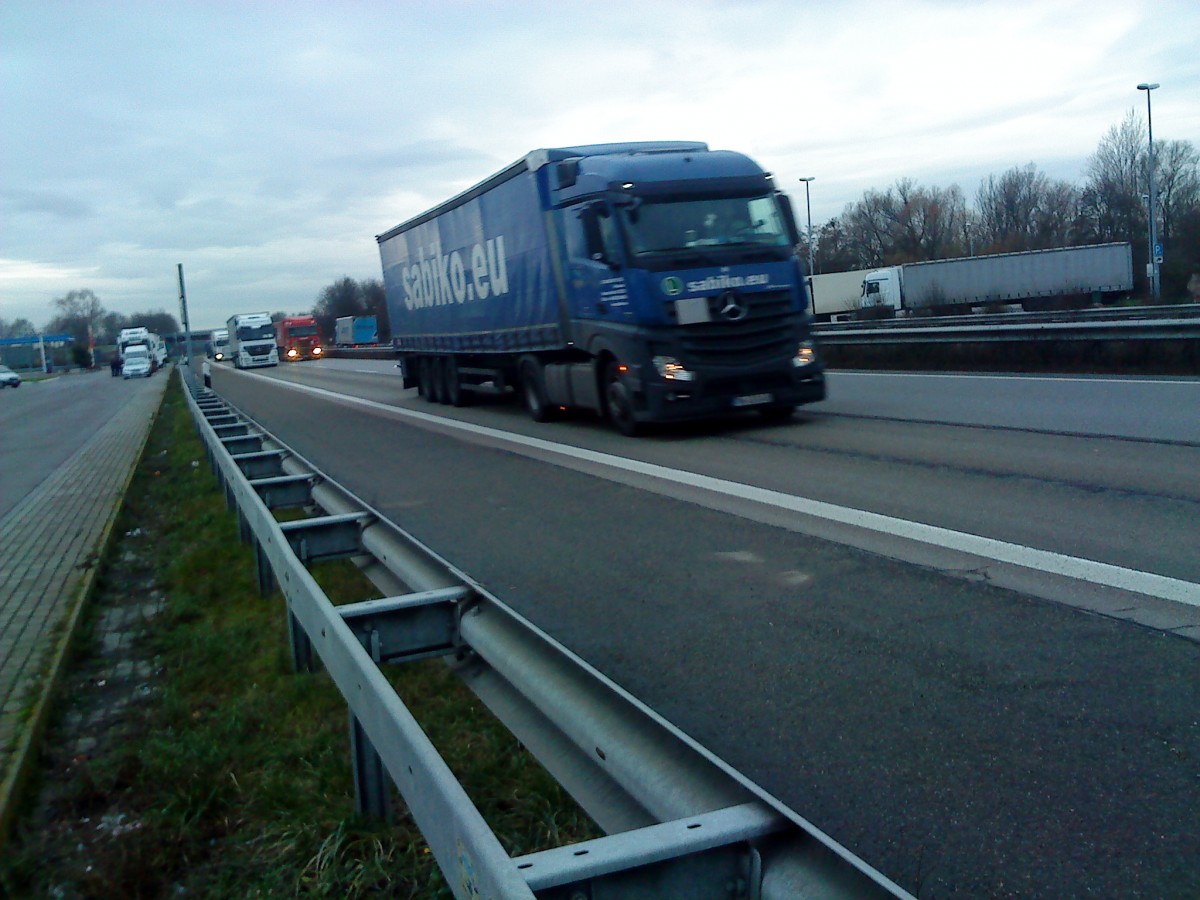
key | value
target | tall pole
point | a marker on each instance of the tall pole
(808, 240)
(183, 314)
(808, 209)
(1152, 268)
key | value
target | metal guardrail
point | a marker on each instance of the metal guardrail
(679, 822)
(1129, 323)
(1139, 323)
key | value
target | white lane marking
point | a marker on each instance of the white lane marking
(1147, 583)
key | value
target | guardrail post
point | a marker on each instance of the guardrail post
(372, 786)
(302, 648)
(266, 576)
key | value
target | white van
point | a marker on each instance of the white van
(137, 362)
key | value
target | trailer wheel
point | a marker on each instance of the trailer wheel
(422, 366)
(455, 395)
(533, 392)
(433, 388)
(618, 401)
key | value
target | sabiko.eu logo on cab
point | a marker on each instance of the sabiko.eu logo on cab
(672, 285)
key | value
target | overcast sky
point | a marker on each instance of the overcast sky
(263, 145)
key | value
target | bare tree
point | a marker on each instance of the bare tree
(1177, 184)
(375, 300)
(906, 223)
(833, 251)
(18, 327)
(868, 229)
(158, 321)
(78, 311)
(110, 327)
(1116, 179)
(1023, 209)
(342, 298)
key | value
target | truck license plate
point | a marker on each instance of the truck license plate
(752, 400)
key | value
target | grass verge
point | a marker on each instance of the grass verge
(187, 758)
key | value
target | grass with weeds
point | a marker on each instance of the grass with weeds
(233, 779)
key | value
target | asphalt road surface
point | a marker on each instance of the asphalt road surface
(965, 737)
(44, 423)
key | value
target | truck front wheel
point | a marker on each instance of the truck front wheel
(533, 392)
(618, 401)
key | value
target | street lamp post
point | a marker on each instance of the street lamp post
(1152, 268)
(808, 209)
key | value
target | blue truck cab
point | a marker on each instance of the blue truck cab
(650, 282)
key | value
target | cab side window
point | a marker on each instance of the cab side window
(591, 234)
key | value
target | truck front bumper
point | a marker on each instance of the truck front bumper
(713, 396)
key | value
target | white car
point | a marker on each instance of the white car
(136, 365)
(9, 378)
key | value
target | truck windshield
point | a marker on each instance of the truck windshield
(302, 330)
(256, 333)
(678, 226)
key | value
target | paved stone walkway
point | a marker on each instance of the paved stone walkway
(49, 544)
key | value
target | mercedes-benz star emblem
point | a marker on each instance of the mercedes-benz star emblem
(732, 307)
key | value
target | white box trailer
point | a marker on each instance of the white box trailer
(1004, 277)
(836, 293)
(130, 336)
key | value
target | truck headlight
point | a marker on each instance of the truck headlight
(672, 369)
(316, 351)
(806, 354)
(293, 353)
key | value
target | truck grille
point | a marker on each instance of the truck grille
(761, 335)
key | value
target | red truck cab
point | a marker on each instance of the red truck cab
(297, 338)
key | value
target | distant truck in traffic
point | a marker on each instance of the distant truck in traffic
(218, 345)
(129, 336)
(252, 340)
(296, 338)
(1030, 278)
(141, 336)
(137, 361)
(649, 282)
(837, 295)
(356, 331)
(158, 349)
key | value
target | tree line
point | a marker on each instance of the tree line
(347, 297)
(1025, 209)
(81, 315)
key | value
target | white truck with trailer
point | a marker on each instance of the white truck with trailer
(1031, 279)
(137, 361)
(141, 336)
(252, 340)
(219, 345)
(130, 336)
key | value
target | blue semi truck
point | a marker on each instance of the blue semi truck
(649, 282)
(355, 331)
